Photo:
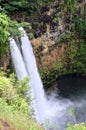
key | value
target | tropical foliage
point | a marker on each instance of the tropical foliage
(80, 126)
(81, 25)
(8, 28)
(3, 34)
(23, 5)
(14, 107)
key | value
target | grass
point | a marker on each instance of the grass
(18, 119)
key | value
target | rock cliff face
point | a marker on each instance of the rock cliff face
(57, 17)
(56, 42)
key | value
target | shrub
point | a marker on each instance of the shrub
(80, 126)
(24, 5)
(13, 104)
(3, 34)
(81, 25)
(12, 95)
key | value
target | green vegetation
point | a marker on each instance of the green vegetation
(24, 5)
(80, 126)
(50, 75)
(80, 25)
(13, 104)
(8, 28)
(75, 57)
(70, 6)
(3, 34)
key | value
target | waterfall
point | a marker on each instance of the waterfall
(25, 65)
(32, 70)
(17, 60)
(56, 110)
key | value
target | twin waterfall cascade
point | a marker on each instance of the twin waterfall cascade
(54, 110)
(25, 65)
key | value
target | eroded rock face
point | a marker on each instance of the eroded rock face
(53, 22)
(4, 125)
(51, 47)
(4, 62)
(56, 17)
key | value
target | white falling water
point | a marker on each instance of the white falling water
(35, 81)
(17, 60)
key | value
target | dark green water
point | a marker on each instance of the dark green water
(72, 86)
